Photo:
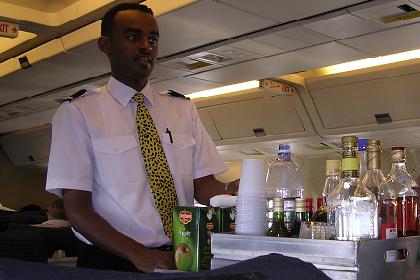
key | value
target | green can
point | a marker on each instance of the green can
(192, 228)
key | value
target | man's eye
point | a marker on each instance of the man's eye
(153, 41)
(132, 37)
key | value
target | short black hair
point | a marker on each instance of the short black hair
(108, 19)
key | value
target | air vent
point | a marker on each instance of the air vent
(24, 62)
(193, 66)
(213, 58)
(406, 8)
(383, 118)
(259, 132)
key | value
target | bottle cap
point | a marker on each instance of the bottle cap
(319, 202)
(349, 141)
(278, 204)
(309, 203)
(397, 154)
(362, 143)
(284, 149)
(373, 145)
(300, 205)
(332, 167)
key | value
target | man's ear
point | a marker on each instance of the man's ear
(104, 45)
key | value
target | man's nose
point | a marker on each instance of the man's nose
(145, 45)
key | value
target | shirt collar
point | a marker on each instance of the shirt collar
(123, 93)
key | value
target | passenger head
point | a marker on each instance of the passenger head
(56, 210)
(129, 37)
(30, 207)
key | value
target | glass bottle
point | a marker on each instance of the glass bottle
(362, 155)
(332, 172)
(300, 216)
(309, 207)
(277, 228)
(407, 200)
(283, 180)
(352, 208)
(376, 182)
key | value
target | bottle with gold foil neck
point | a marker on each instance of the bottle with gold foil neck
(352, 208)
(376, 182)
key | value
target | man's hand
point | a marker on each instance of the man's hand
(147, 260)
(207, 187)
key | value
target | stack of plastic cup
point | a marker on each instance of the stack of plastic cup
(251, 203)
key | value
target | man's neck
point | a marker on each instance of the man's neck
(138, 85)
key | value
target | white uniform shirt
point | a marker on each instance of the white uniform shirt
(95, 148)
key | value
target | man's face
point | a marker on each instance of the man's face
(133, 45)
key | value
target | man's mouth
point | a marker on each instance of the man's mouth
(144, 58)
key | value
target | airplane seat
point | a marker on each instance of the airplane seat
(26, 217)
(55, 239)
(23, 245)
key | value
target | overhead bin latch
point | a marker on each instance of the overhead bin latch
(277, 87)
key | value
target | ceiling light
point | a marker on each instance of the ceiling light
(225, 89)
(371, 62)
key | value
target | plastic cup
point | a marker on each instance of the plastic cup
(252, 177)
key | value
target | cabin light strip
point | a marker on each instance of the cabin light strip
(225, 89)
(371, 62)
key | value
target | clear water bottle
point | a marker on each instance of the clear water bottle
(352, 207)
(284, 181)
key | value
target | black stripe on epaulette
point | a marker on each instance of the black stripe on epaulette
(177, 94)
(73, 96)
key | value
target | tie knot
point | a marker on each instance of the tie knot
(138, 97)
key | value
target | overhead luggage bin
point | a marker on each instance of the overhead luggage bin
(378, 98)
(262, 114)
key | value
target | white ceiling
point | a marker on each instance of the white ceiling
(270, 39)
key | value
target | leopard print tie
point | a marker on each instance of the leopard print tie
(157, 168)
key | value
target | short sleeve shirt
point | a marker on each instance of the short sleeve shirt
(95, 148)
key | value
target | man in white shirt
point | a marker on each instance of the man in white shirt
(96, 163)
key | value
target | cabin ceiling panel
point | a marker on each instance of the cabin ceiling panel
(52, 73)
(278, 41)
(343, 26)
(161, 73)
(386, 42)
(204, 22)
(256, 47)
(289, 10)
(97, 59)
(185, 85)
(304, 59)
(305, 35)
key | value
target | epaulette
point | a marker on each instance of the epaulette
(73, 96)
(177, 94)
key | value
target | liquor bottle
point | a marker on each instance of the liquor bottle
(300, 216)
(277, 228)
(352, 208)
(407, 200)
(283, 180)
(332, 172)
(376, 182)
(309, 207)
(362, 155)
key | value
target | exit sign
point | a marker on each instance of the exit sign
(9, 30)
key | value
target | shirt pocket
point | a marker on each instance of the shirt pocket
(179, 149)
(117, 159)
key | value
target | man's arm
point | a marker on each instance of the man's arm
(82, 216)
(207, 187)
